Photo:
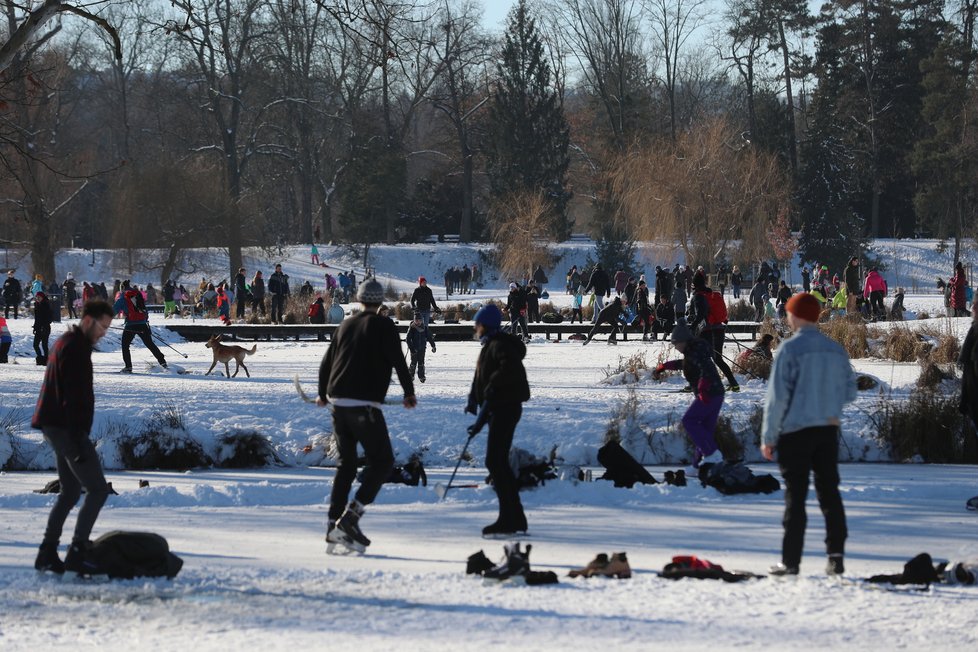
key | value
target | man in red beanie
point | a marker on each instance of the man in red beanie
(805, 432)
(423, 301)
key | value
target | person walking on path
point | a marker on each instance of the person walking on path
(423, 301)
(278, 288)
(130, 302)
(64, 413)
(499, 389)
(42, 327)
(698, 368)
(353, 380)
(805, 433)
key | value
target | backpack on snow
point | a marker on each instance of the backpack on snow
(125, 555)
(621, 468)
(731, 478)
(716, 308)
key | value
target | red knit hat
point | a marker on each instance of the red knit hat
(421, 279)
(804, 306)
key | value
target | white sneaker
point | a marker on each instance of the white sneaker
(713, 458)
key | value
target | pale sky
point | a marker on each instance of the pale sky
(496, 10)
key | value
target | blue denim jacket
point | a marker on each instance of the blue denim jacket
(811, 380)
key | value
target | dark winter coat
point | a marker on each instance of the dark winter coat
(320, 316)
(610, 313)
(737, 279)
(664, 282)
(699, 308)
(67, 398)
(42, 315)
(168, 291)
(697, 364)
(68, 291)
(968, 363)
(540, 276)
(758, 293)
(621, 278)
(258, 288)
(416, 339)
(851, 277)
(599, 282)
(642, 301)
(958, 292)
(665, 314)
(628, 294)
(239, 286)
(515, 302)
(423, 299)
(359, 360)
(679, 298)
(11, 290)
(278, 284)
(533, 298)
(500, 377)
(783, 295)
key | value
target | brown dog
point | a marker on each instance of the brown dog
(224, 353)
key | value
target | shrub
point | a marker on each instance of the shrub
(768, 327)
(633, 364)
(851, 333)
(727, 440)
(242, 450)
(902, 345)
(164, 443)
(740, 310)
(931, 375)
(927, 426)
(923, 315)
(622, 419)
(755, 366)
(944, 347)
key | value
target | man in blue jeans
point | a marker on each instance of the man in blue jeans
(805, 431)
(64, 413)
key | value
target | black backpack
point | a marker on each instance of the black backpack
(125, 555)
(731, 478)
(622, 469)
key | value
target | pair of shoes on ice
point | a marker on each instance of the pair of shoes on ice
(604, 566)
(676, 478)
(835, 566)
(515, 565)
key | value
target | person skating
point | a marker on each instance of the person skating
(42, 327)
(609, 315)
(851, 279)
(130, 302)
(353, 379)
(710, 327)
(11, 295)
(516, 309)
(644, 309)
(64, 413)
(758, 298)
(805, 433)
(69, 295)
(601, 284)
(417, 340)
(423, 301)
(499, 389)
(698, 368)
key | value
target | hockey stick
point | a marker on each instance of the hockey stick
(440, 489)
(298, 387)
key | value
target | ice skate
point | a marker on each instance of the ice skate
(347, 531)
(513, 568)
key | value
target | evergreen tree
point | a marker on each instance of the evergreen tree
(528, 134)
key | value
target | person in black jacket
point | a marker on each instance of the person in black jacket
(69, 295)
(736, 280)
(353, 380)
(664, 282)
(758, 298)
(532, 302)
(240, 292)
(258, 293)
(423, 301)
(42, 327)
(278, 288)
(601, 284)
(11, 295)
(665, 319)
(64, 413)
(608, 315)
(643, 309)
(516, 309)
(715, 334)
(499, 389)
(418, 338)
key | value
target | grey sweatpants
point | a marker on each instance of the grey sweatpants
(78, 466)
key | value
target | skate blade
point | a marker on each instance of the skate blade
(512, 580)
(342, 545)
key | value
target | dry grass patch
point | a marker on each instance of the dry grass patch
(851, 333)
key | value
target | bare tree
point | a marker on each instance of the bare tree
(521, 223)
(673, 22)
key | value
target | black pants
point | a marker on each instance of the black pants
(240, 313)
(664, 327)
(146, 335)
(876, 304)
(41, 336)
(6, 309)
(4, 351)
(716, 338)
(70, 305)
(614, 329)
(532, 313)
(278, 304)
(758, 312)
(576, 312)
(811, 450)
(364, 426)
(78, 466)
(502, 425)
(417, 363)
(258, 304)
(518, 325)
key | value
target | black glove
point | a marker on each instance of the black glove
(481, 419)
(471, 408)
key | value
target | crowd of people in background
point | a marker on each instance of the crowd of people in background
(462, 280)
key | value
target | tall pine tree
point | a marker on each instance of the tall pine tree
(528, 135)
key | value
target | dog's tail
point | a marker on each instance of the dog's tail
(253, 349)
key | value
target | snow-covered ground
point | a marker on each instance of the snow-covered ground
(252, 540)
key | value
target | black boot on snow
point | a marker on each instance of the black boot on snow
(40, 361)
(78, 563)
(48, 560)
(514, 567)
(347, 531)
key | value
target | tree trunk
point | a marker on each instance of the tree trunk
(792, 145)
